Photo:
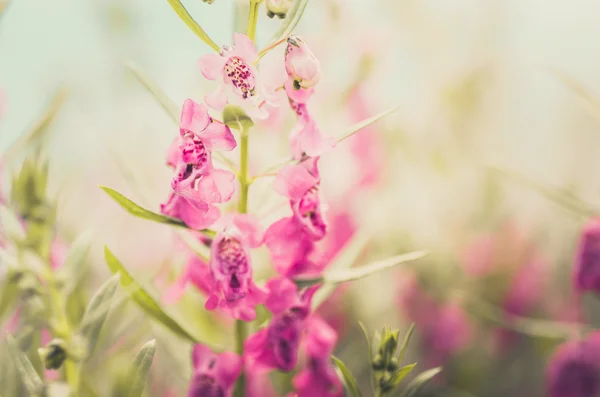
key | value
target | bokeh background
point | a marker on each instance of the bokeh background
(479, 83)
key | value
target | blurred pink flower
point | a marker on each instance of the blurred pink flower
(258, 382)
(319, 378)
(235, 67)
(58, 253)
(574, 369)
(301, 65)
(478, 257)
(231, 267)
(276, 346)
(214, 374)
(586, 271)
(197, 272)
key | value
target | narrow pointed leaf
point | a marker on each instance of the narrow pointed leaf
(192, 24)
(235, 117)
(30, 378)
(37, 131)
(72, 270)
(141, 367)
(558, 196)
(344, 260)
(349, 380)
(97, 311)
(405, 342)
(363, 328)
(140, 212)
(365, 123)
(420, 381)
(291, 20)
(10, 225)
(167, 104)
(143, 299)
(401, 374)
(345, 275)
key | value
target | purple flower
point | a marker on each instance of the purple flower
(214, 374)
(574, 369)
(586, 273)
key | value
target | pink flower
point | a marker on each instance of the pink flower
(276, 346)
(197, 184)
(574, 369)
(258, 382)
(231, 267)
(234, 66)
(302, 67)
(214, 374)
(291, 239)
(319, 377)
(586, 272)
(306, 138)
(58, 253)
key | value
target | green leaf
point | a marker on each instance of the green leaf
(349, 380)
(10, 225)
(143, 299)
(192, 24)
(167, 104)
(97, 311)
(37, 131)
(417, 385)
(344, 260)
(72, 270)
(401, 374)
(140, 212)
(365, 123)
(235, 117)
(30, 378)
(141, 367)
(9, 292)
(363, 328)
(291, 20)
(558, 196)
(405, 342)
(345, 275)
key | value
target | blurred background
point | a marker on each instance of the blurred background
(506, 84)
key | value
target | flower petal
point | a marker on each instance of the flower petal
(244, 47)
(217, 99)
(293, 181)
(250, 228)
(217, 186)
(313, 142)
(194, 117)
(211, 66)
(218, 136)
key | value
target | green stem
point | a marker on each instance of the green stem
(241, 333)
(253, 18)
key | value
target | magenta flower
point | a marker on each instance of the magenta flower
(574, 369)
(586, 272)
(302, 67)
(196, 272)
(258, 382)
(319, 378)
(306, 138)
(276, 346)
(197, 184)
(214, 374)
(234, 66)
(231, 267)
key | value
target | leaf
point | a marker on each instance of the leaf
(562, 198)
(344, 260)
(9, 292)
(401, 374)
(36, 132)
(140, 212)
(97, 311)
(192, 24)
(11, 225)
(291, 20)
(349, 380)
(342, 276)
(235, 117)
(417, 385)
(72, 269)
(405, 342)
(167, 104)
(367, 122)
(30, 378)
(363, 327)
(143, 299)
(141, 367)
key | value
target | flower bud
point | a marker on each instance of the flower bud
(209, 1)
(278, 7)
(301, 64)
(54, 354)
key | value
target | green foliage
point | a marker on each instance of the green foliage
(140, 369)
(349, 380)
(192, 24)
(30, 378)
